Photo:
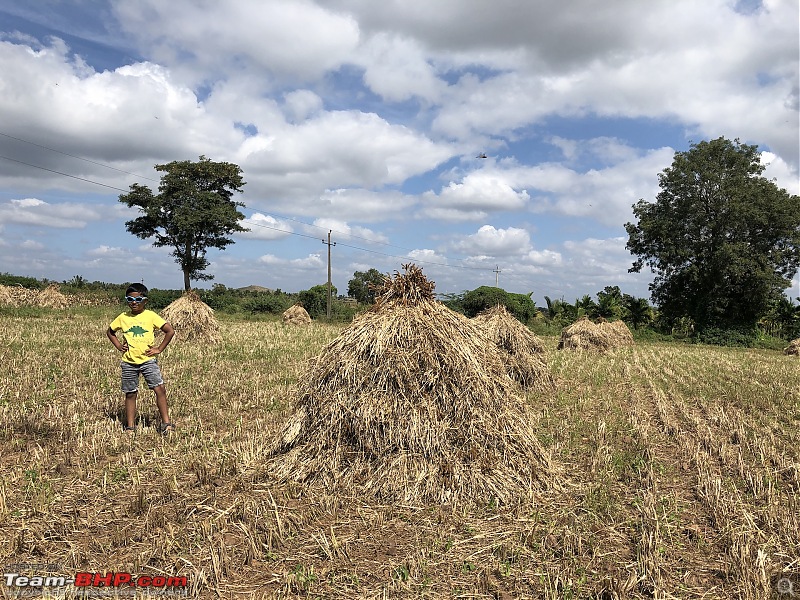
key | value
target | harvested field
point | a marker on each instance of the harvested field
(681, 476)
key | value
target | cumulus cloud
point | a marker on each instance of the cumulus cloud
(264, 227)
(312, 261)
(494, 242)
(35, 212)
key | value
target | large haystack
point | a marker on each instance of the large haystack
(411, 404)
(192, 319)
(522, 352)
(601, 336)
(793, 347)
(296, 315)
(51, 297)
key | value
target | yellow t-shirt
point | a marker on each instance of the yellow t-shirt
(139, 332)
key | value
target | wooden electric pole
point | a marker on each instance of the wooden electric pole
(329, 244)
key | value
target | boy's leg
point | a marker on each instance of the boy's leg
(161, 402)
(130, 408)
(130, 385)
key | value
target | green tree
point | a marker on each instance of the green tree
(192, 212)
(315, 300)
(637, 311)
(362, 285)
(521, 306)
(721, 239)
(609, 303)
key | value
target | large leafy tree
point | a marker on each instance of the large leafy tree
(193, 211)
(721, 239)
(364, 285)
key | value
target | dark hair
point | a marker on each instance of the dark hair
(137, 287)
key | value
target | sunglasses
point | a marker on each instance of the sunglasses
(132, 299)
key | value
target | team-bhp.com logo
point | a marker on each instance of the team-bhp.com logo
(88, 581)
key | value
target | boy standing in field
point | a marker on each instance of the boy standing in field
(138, 326)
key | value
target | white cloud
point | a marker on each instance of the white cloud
(264, 227)
(35, 212)
(312, 261)
(494, 242)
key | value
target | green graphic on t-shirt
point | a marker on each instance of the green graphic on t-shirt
(136, 331)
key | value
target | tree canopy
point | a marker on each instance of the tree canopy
(721, 239)
(192, 212)
(521, 306)
(363, 285)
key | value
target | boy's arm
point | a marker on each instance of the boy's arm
(121, 346)
(168, 333)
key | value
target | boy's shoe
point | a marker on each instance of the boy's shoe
(166, 428)
(128, 430)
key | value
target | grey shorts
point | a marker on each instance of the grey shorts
(130, 375)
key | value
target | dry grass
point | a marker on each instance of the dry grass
(681, 476)
(296, 315)
(192, 319)
(522, 352)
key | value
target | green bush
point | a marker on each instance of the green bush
(741, 336)
(274, 304)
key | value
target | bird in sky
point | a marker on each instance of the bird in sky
(482, 155)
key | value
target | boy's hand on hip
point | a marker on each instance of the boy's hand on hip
(152, 351)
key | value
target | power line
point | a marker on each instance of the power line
(64, 174)
(99, 164)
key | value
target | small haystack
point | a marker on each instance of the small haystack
(793, 348)
(602, 336)
(618, 334)
(296, 315)
(192, 319)
(522, 352)
(51, 297)
(410, 404)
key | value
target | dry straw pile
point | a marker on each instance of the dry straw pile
(296, 315)
(192, 319)
(522, 352)
(793, 347)
(411, 404)
(604, 335)
(51, 297)
(8, 297)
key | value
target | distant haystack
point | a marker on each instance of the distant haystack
(618, 334)
(411, 404)
(522, 352)
(296, 315)
(51, 297)
(601, 336)
(793, 348)
(192, 319)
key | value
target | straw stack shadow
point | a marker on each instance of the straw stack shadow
(412, 404)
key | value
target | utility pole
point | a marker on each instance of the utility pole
(329, 244)
(497, 272)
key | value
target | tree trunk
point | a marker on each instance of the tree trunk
(187, 285)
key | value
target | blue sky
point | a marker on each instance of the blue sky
(366, 118)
